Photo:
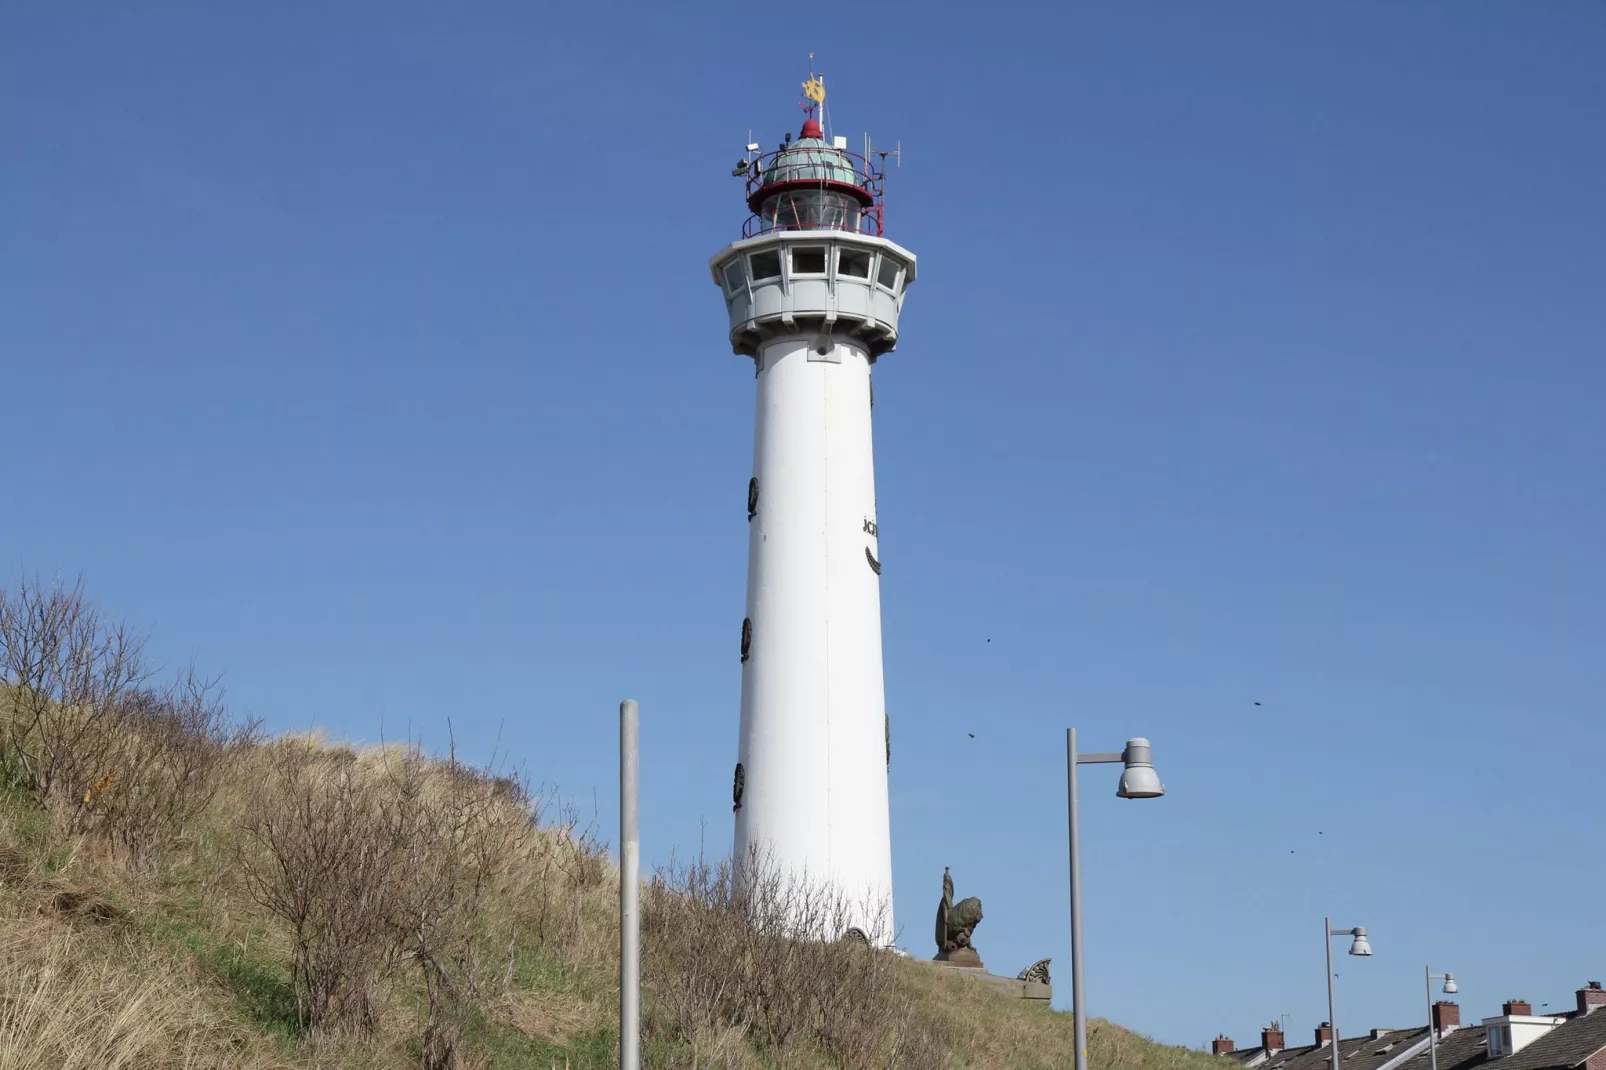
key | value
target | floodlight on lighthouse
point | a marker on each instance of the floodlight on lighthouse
(1360, 946)
(1138, 778)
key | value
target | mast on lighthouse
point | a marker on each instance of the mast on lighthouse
(814, 291)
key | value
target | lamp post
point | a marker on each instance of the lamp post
(1138, 781)
(1359, 947)
(1450, 989)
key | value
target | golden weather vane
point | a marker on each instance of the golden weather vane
(814, 88)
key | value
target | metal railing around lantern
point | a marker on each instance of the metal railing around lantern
(817, 204)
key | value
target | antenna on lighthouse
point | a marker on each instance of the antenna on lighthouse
(896, 152)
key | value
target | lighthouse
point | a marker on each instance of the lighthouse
(814, 289)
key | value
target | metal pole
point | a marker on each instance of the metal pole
(1433, 1033)
(1332, 1015)
(630, 885)
(1078, 1003)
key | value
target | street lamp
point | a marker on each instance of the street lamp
(1450, 989)
(1360, 946)
(1138, 781)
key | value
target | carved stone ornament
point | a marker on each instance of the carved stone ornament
(1037, 971)
(855, 935)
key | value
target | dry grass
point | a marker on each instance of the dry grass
(306, 905)
(76, 1001)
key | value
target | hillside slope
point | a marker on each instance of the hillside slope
(179, 963)
(178, 891)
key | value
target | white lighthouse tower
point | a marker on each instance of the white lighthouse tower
(814, 290)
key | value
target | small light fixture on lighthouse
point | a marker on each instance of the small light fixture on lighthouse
(1138, 778)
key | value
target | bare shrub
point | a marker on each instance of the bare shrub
(67, 667)
(762, 951)
(561, 875)
(323, 852)
(459, 826)
(160, 764)
(381, 862)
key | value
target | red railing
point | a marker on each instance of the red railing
(869, 218)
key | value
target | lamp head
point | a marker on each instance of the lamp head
(1361, 946)
(1450, 988)
(1138, 778)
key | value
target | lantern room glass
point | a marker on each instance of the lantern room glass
(811, 209)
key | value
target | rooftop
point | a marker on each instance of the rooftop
(1564, 1047)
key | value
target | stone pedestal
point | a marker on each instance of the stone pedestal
(960, 958)
(1013, 987)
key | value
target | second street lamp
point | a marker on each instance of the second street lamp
(1360, 946)
(1138, 781)
(1450, 989)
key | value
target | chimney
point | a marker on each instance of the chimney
(1446, 1016)
(1324, 1034)
(1591, 998)
(1271, 1038)
(1516, 1006)
(1222, 1045)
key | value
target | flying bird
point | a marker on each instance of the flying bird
(1257, 704)
(971, 734)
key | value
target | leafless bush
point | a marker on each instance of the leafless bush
(67, 668)
(564, 868)
(81, 733)
(160, 763)
(383, 862)
(764, 954)
(459, 827)
(329, 858)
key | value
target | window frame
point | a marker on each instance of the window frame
(738, 264)
(780, 266)
(895, 286)
(868, 257)
(825, 261)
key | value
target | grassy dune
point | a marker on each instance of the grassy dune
(177, 891)
(106, 965)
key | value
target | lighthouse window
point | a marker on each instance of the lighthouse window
(888, 276)
(733, 276)
(809, 261)
(766, 265)
(853, 262)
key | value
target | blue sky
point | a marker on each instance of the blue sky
(370, 356)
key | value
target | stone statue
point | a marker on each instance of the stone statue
(955, 923)
(1037, 971)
